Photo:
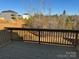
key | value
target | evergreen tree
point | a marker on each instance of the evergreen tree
(64, 12)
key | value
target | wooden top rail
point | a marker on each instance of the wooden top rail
(35, 29)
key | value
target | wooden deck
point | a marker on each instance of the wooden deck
(23, 50)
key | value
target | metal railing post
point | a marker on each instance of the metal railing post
(39, 36)
(76, 40)
(11, 35)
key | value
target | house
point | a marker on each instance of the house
(9, 15)
(26, 16)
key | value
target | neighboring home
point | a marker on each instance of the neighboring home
(26, 16)
(9, 15)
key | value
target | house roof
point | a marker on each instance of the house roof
(26, 14)
(9, 11)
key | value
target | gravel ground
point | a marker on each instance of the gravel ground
(21, 50)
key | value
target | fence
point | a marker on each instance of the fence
(50, 36)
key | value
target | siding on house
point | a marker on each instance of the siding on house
(9, 14)
(26, 16)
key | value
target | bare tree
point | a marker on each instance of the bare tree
(23, 4)
(41, 5)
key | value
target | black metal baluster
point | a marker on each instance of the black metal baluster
(76, 39)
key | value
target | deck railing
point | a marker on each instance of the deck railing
(50, 36)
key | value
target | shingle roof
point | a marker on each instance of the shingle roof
(9, 11)
(26, 14)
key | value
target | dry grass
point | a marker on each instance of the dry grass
(4, 23)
